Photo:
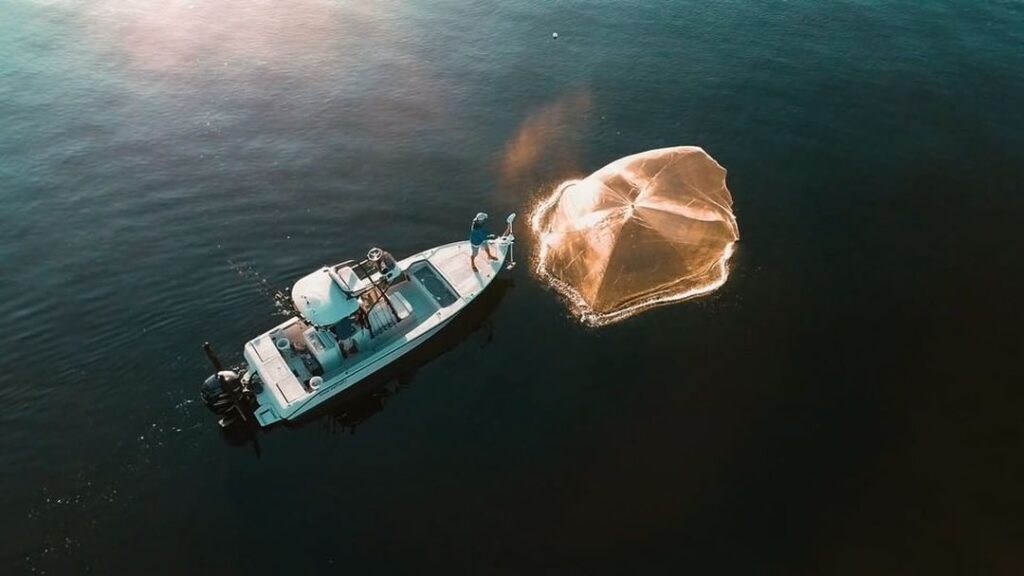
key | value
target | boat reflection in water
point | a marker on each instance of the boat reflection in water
(346, 411)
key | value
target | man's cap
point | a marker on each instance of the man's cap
(480, 217)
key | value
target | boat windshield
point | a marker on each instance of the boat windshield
(437, 287)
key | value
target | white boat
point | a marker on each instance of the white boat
(353, 319)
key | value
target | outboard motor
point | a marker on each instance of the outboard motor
(224, 393)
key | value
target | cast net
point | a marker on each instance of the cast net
(647, 229)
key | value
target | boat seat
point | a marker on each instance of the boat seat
(402, 306)
(381, 318)
(351, 281)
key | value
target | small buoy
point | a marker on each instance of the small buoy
(554, 35)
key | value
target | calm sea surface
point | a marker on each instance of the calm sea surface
(850, 402)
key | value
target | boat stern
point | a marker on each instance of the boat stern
(279, 387)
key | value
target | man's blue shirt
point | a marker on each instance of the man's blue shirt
(477, 236)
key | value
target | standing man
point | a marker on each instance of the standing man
(478, 237)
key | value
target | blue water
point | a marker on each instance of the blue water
(848, 403)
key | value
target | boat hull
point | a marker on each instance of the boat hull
(452, 261)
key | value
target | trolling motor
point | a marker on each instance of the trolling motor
(512, 244)
(224, 393)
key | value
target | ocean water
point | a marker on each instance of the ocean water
(848, 403)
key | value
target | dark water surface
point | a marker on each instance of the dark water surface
(849, 403)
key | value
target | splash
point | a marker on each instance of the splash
(545, 146)
(281, 299)
(646, 230)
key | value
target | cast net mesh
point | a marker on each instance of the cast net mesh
(647, 229)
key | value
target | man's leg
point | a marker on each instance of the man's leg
(487, 248)
(472, 255)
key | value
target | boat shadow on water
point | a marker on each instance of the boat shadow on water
(357, 404)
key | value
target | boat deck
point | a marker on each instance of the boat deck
(452, 260)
